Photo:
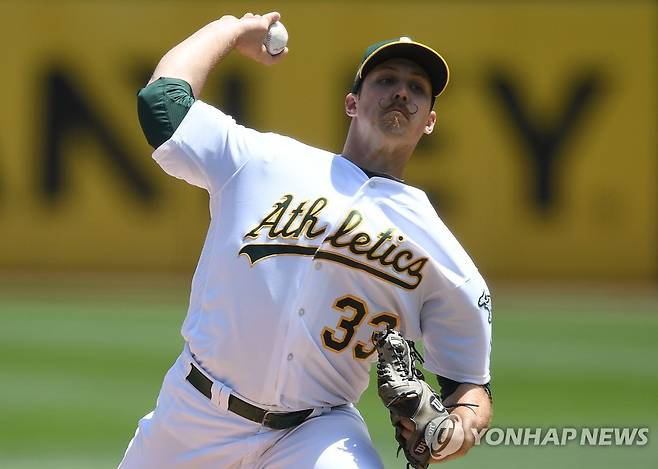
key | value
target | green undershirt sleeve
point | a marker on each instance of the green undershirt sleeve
(449, 386)
(161, 107)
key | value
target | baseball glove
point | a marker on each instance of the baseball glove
(404, 392)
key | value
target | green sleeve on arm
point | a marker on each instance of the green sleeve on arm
(161, 107)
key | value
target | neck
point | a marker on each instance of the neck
(377, 155)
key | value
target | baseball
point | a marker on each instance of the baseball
(276, 38)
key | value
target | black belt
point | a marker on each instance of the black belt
(275, 420)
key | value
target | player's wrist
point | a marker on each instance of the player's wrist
(227, 19)
(224, 33)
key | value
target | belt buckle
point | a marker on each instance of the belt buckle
(267, 419)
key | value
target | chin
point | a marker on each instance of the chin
(394, 126)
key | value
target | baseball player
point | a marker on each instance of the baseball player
(307, 254)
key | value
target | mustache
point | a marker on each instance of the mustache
(386, 104)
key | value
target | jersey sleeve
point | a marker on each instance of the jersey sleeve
(162, 106)
(209, 147)
(456, 331)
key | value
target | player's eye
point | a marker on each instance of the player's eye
(385, 80)
(417, 88)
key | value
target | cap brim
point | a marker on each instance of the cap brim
(431, 61)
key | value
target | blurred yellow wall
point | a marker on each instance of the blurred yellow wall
(569, 84)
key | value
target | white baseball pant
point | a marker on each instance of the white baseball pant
(188, 430)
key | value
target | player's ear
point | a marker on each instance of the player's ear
(350, 104)
(431, 122)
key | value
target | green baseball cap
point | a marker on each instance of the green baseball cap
(406, 48)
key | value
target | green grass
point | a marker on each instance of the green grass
(81, 361)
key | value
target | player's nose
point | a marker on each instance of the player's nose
(402, 94)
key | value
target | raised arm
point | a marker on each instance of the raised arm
(194, 58)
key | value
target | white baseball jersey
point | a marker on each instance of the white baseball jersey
(305, 257)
